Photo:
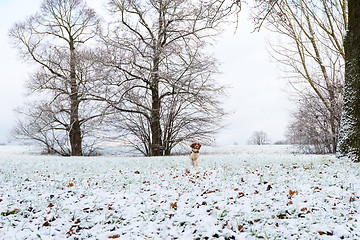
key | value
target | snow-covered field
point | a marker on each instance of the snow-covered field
(238, 192)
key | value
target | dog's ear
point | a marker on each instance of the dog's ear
(192, 145)
(199, 145)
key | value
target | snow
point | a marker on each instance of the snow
(238, 192)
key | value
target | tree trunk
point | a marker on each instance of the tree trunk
(349, 135)
(75, 130)
(156, 142)
(334, 120)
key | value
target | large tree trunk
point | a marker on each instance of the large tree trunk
(155, 126)
(349, 135)
(75, 130)
(156, 142)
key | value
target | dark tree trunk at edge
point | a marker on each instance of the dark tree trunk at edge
(349, 135)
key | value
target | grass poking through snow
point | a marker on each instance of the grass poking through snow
(245, 193)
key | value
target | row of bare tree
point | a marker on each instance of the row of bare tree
(150, 71)
(145, 76)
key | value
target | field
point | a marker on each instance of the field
(237, 192)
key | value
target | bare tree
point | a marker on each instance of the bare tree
(46, 124)
(162, 80)
(259, 138)
(53, 39)
(38, 123)
(312, 53)
(310, 127)
(349, 133)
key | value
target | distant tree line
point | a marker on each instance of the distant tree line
(146, 76)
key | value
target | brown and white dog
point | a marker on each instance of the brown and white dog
(194, 155)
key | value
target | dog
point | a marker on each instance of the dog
(194, 155)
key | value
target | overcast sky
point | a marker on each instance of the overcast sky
(255, 97)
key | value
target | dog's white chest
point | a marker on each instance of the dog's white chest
(194, 156)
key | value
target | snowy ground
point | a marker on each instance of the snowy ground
(238, 192)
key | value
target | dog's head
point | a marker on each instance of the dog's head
(195, 145)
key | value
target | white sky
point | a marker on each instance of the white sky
(256, 96)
